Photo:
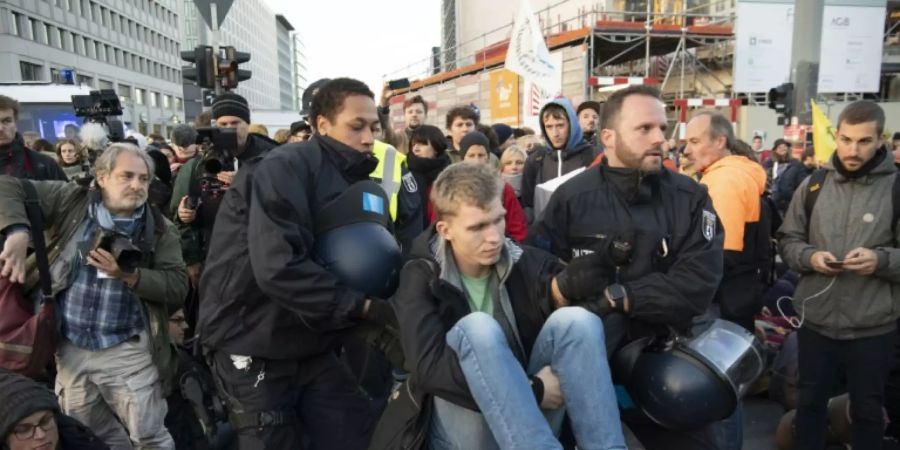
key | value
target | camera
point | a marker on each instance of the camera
(127, 255)
(99, 107)
(220, 145)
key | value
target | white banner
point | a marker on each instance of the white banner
(535, 96)
(527, 54)
(762, 58)
(850, 58)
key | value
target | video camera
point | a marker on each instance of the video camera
(99, 107)
(220, 145)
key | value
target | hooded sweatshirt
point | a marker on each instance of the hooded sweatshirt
(546, 164)
(735, 185)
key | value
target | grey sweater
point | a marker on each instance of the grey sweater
(849, 213)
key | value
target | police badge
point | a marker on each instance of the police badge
(409, 182)
(709, 224)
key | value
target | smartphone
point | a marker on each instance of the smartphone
(402, 83)
(835, 264)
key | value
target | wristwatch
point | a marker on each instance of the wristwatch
(615, 294)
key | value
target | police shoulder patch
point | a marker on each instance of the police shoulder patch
(709, 224)
(409, 182)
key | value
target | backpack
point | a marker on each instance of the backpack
(767, 244)
(817, 182)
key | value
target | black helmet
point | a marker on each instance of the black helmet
(353, 241)
(691, 382)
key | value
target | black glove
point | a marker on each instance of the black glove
(597, 305)
(381, 312)
(585, 277)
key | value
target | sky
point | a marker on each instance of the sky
(363, 39)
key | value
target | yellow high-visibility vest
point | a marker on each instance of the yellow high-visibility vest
(389, 173)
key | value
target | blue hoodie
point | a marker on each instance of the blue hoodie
(576, 135)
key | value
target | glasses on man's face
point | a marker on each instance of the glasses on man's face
(25, 431)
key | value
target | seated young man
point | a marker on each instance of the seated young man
(486, 331)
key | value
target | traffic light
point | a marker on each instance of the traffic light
(203, 70)
(229, 68)
(781, 99)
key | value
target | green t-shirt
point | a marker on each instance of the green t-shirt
(479, 297)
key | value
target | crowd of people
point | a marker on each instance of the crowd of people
(345, 285)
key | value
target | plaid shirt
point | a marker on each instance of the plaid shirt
(98, 313)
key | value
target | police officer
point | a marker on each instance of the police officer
(277, 292)
(406, 206)
(655, 230)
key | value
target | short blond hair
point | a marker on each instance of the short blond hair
(465, 183)
(511, 151)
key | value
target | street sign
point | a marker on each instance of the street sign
(222, 7)
(209, 96)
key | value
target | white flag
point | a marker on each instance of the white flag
(528, 55)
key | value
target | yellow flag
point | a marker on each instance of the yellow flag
(823, 134)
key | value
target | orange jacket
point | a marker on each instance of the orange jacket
(735, 185)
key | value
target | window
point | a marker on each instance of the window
(154, 99)
(99, 52)
(85, 9)
(31, 72)
(16, 24)
(54, 75)
(177, 104)
(110, 54)
(71, 42)
(117, 57)
(167, 101)
(138, 96)
(85, 80)
(123, 26)
(104, 16)
(115, 21)
(34, 28)
(127, 60)
(125, 92)
(105, 85)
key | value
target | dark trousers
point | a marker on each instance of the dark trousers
(866, 363)
(310, 404)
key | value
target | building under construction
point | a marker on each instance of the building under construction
(686, 47)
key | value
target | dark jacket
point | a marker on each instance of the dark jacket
(262, 293)
(787, 183)
(429, 304)
(677, 260)
(548, 163)
(163, 279)
(20, 162)
(196, 236)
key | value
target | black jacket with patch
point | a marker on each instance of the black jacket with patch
(677, 259)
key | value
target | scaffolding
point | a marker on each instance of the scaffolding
(653, 42)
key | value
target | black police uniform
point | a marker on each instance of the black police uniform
(265, 294)
(676, 264)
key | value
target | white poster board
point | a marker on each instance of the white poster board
(534, 97)
(850, 58)
(762, 57)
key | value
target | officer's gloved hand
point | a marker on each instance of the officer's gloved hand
(381, 312)
(585, 278)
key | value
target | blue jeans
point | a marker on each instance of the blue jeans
(571, 342)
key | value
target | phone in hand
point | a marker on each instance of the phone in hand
(835, 264)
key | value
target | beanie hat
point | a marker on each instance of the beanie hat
(473, 138)
(503, 131)
(21, 397)
(229, 104)
(589, 104)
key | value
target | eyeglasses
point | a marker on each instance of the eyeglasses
(25, 431)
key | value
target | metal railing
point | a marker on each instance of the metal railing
(463, 55)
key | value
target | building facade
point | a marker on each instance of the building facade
(285, 63)
(300, 73)
(130, 46)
